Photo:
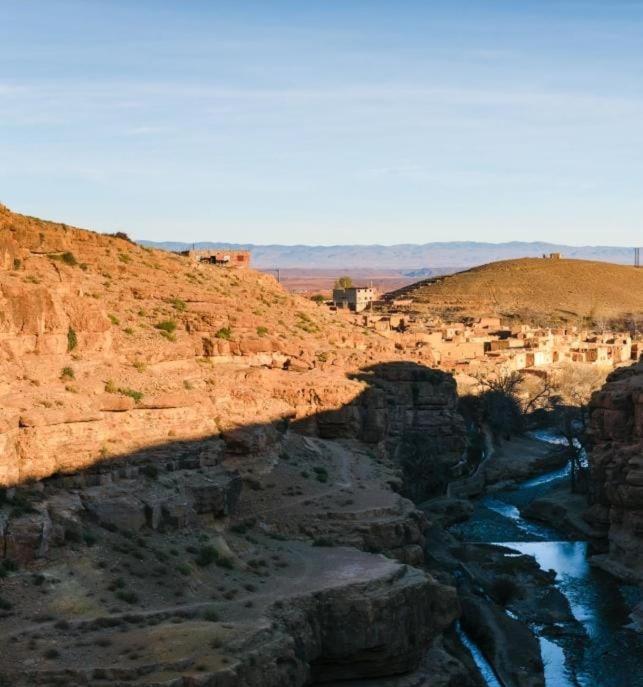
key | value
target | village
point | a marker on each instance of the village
(485, 345)
(468, 349)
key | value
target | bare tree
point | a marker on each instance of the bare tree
(537, 392)
(575, 384)
(501, 380)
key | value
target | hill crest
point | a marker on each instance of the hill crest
(532, 289)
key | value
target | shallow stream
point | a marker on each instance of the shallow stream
(610, 652)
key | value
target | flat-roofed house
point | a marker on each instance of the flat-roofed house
(356, 298)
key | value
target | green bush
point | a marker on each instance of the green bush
(168, 326)
(127, 596)
(132, 393)
(321, 474)
(206, 556)
(89, 538)
(211, 615)
(67, 257)
(114, 319)
(110, 387)
(67, 373)
(72, 340)
(225, 563)
(262, 331)
(178, 304)
(224, 333)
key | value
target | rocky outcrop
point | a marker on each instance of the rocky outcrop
(616, 422)
(409, 412)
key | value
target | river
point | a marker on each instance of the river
(609, 653)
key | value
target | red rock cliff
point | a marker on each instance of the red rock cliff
(616, 414)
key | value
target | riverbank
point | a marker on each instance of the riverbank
(522, 553)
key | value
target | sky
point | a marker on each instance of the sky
(326, 121)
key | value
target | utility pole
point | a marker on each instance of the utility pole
(637, 257)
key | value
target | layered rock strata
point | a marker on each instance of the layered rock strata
(616, 422)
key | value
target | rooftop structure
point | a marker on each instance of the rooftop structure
(224, 258)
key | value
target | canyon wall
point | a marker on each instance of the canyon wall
(616, 424)
(202, 475)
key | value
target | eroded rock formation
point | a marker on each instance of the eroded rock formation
(617, 469)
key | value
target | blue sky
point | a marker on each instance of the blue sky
(326, 121)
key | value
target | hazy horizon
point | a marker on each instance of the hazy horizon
(360, 122)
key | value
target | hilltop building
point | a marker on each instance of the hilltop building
(224, 258)
(355, 298)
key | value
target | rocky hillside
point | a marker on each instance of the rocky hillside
(204, 473)
(566, 290)
(106, 346)
(617, 468)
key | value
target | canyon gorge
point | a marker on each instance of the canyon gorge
(209, 481)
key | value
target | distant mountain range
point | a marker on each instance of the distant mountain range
(406, 256)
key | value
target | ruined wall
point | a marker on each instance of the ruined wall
(616, 417)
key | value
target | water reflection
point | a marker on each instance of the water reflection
(481, 662)
(556, 672)
(566, 558)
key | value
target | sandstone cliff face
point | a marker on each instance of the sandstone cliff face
(617, 467)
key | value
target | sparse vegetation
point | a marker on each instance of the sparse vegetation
(211, 615)
(72, 340)
(167, 326)
(178, 304)
(132, 393)
(67, 258)
(110, 387)
(321, 474)
(67, 373)
(224, 333)
(127, 596)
